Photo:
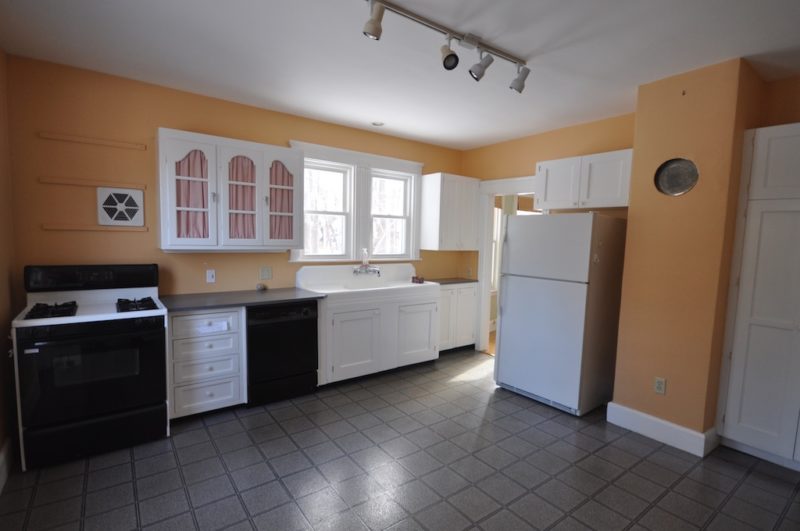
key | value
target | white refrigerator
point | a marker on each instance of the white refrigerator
(558, 314)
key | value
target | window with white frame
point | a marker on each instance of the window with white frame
(357, 200)
(327, 195)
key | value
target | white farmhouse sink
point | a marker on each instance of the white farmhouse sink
(370, 323)
(340, 279)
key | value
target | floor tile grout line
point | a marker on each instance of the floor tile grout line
(787, 507)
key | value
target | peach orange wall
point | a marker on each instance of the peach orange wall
(5, 246)
(516, 158)
(55, 98)
(783, 102)
(678, 248)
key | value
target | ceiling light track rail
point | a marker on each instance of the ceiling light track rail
(451, 33)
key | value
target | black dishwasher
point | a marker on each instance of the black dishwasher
(281, 351)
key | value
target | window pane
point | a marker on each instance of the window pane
(388, 236)
(324, 234)
(324, 190)
(388, 197)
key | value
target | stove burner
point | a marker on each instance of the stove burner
(42, 311)
(136, 305)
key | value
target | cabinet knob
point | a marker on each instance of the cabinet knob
(575, 203)
(210, 345)
(209, 393)
(210, 368)
(209, 323)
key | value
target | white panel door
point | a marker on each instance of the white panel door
(776, 163)
(605, 179)
(356, 343)
(764, 396)
(557, 183)
(466, 315)
(555, 247)
(447, 308)
(540, 337)
(417, 328)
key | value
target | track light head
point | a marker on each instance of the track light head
(373, 28)
(479, 68)
(519, 82)
(449, 57)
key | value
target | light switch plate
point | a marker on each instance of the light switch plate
(265, 273)
(660, 386)
(211, 276)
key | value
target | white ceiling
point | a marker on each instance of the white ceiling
(308, 57)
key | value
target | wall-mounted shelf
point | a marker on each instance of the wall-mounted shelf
(106, 142)
(93, 183)
(91, 228)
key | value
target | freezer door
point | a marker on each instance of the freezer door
(555, 246)
(540, 338)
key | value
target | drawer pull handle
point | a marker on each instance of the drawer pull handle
(209, 393)
(210, 368)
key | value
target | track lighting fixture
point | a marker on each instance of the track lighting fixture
(487, 52)
(449, 57)
(373, 28)
(519, 82)
(479, 68)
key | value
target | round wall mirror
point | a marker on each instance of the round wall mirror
(676, 177)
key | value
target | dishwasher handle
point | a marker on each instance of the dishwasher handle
(263, 315)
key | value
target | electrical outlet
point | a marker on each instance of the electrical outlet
(265, 273)
(660, 385)
(211, 276)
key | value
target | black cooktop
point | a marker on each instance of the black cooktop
(43, 311)
(136, 305)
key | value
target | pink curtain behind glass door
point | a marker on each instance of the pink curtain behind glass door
(241, 170)
(192, 194)
(280, 200)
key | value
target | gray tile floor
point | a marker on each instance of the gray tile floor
(434, 447)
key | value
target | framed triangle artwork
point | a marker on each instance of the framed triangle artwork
(120, 206)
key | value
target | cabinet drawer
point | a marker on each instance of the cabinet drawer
(190, 399)
(192, 371)
(206, 347)
(207, 324)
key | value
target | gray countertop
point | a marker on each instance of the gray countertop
(222, 299)
(445, 281)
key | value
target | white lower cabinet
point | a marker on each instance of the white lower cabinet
(416, 333)
(356, 343)
(207, 361)
(458, 315)
(374, 334)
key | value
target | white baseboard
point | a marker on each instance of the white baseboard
(5, 462)
(694, 442)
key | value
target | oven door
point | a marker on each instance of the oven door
(77, 371)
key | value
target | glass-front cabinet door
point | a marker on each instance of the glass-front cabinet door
(284, 196)
(241, 185)
(189, 195)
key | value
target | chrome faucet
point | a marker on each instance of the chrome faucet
(365, 268)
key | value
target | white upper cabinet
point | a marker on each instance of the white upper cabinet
(449, 213)
(220, 194)
(593, 181)
(557, 183)
(776, 158)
